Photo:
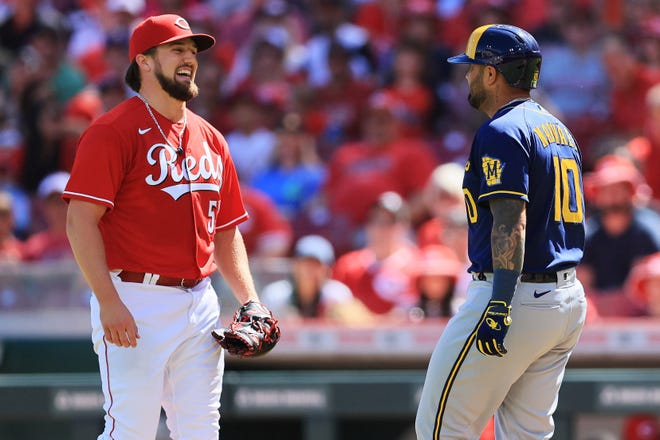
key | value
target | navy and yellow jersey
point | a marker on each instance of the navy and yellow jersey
(526, 153)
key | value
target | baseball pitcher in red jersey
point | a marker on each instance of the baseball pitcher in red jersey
(154, 204)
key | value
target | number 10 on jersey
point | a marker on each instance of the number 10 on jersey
(568, 192)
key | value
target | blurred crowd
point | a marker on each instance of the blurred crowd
(349, 132)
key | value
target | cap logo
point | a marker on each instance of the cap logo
(182, 23)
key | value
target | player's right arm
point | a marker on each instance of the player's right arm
(87, 243)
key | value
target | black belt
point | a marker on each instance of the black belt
(550, 277)
(138, 277)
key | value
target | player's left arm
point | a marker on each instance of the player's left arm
(507, 241)
(254, 330)
(232, 261)
(508, 234)
(508, 246)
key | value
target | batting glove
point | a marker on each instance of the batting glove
(493, 328)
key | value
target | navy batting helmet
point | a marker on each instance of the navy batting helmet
(511, 50)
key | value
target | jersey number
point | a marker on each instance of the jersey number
(568, 192)
(470, 206)
(210, 226)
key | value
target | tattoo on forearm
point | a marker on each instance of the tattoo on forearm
(508, 234)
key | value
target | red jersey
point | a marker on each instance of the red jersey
(380, 285)
(163, 208)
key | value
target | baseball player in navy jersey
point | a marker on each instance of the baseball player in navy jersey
(506, 349)
(154, 205)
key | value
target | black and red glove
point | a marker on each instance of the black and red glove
(253, 332)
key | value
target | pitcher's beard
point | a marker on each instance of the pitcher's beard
(179, 91)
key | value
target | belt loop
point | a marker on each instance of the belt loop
(566, 277)
(150, 278)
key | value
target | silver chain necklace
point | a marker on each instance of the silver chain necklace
(178, 150)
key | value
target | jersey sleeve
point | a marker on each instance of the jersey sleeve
(503, 165)
(100, 165)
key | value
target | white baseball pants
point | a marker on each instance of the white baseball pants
(176, 365)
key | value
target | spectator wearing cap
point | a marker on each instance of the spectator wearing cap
(620, 231)
(11, 248)
(382, 161)
(51, 242)
(309, 291)
(382, 274)
(438, 272)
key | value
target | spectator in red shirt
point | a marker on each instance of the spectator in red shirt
(11, 248)
(359, 172)
(267, 233)
(51, 243)
(382, 274)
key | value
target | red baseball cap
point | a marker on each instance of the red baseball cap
(162, 29)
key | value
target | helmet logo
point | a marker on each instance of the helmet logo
(471, 49)
(182, 23)
(535, 79)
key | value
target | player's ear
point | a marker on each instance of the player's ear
(490, 74)
(142, 61)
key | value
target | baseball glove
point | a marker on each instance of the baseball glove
(253, 332)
